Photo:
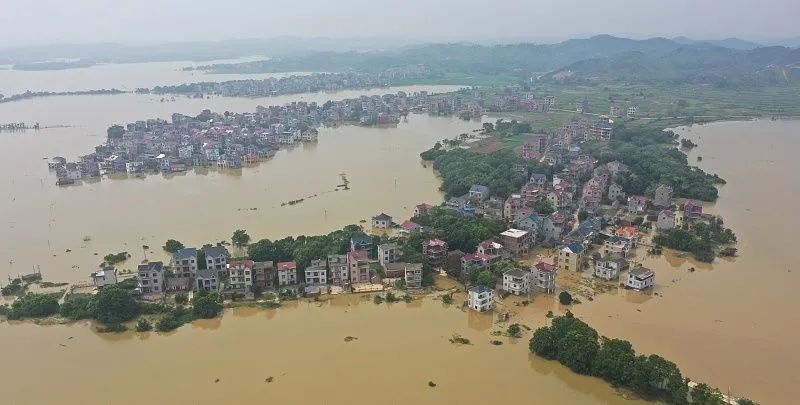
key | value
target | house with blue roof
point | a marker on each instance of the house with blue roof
(570, 257)
(478, 192)
(360, 242)
(184, 262)
(481, 298)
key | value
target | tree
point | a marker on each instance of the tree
(206, 306)
(543, 343)
(115, 132)
(702, 394)
(614, 361)
(582, 215)
(486, 278)
(173, 246)
(514, 330)
(34, 306)
(143, 325)
(240, 238)
(543, 207)
(115, 305)
(78, 306)
(577, 350)
(565, 298)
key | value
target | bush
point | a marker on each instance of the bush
(112, 328)
(514, 330)
(181, 298)
(206, 306)
(78, 306)
(115, 305)
(565, 298)
(34, 306)
(173, 246)
(174, 320)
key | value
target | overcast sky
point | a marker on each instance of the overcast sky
(25, 22)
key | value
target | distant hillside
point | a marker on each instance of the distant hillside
(716, 66)
(731, 43)
(465, 58)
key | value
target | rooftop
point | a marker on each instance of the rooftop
(185, 253)
(382, 217)
(216, 251)
(514, 233)
(480, 289)
(642, 273)
(545, 267)
(284, 266)
(515, 273)
(358, 255)
(574, 247)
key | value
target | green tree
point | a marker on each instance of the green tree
(240, 238)
(206, 306)
(565, 298)
(702, 394)
(173, 246)
(514, 330)
(487, 279)
(543, 343)
(577, 349)
(181, 298)
(582, 215)
(614, 361)
(543, 207)
(115, 305)
(143, 325)
(115, 132)
(34, 306)
(78, 306)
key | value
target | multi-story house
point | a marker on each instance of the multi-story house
(512, 207)
(609, 267)
(381, 221)
(666, 220)
(617, 245)
(534, 147)
(641, 278)
(478, 192)
(570, 257)
(517, 242)
(358, 264)
(543, 277)
(340, 271)
(240, 275)
(615, 192)
(481, 298)
(422, 209)
(435, 252)
(217, 259)
(517, 282)
(151, 278)
(184, 262)
(413, 275)
(692, 209)
(663, 196)
(287, 273)
(360, 242)
(491, 249)
(388, 253)
(637, 204)
(316, 273)
(207, 280)
(104, 277)
(264, 275)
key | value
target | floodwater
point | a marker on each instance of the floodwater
(66, 231)
(399, 349)
(118, 76)
(734, 324)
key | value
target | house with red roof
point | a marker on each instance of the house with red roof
(358, 264)
(544, 277)
(435, 251)
(287, 273)
(422, 209)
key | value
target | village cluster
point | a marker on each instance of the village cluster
(233, 140)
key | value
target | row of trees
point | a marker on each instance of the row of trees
(578, 346)
(702, 239)
(460, 169)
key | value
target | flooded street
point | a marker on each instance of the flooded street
(734, 324)
(41, 221)
(301, 347)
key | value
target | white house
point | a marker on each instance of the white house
(517, 282)
(240, 275)
(102, 278)
(388, 253)
(381, 221)
(413, 275)
(151, 278)
(641, 278)
(316, 273)
(481, 298)
(609, 267)
(287, 273)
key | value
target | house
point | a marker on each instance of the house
(316, 273)
(388, 253)
(615, 192)
(538, 179)
(207, 280)
(264, 274)
(481, 298)
(632, 111)
(240, 275)
(617, 245)
(666, 220)
(358, 264)
(340, 273)
(692, 209)
(663, 196)
(534, 147)
(151, 278)
(475, 260)
(395, 270)
(517, 282)
(517, 242)
(629, 231)
(570, 257)
(609, 267)
(543, 277)
(102, 278)
(287, 273)
(491, 249)
(637, 204)
(641, 278)
(184, 262)
(513, 205)
(360, 242)
(413, 275)
(478, 192)
(217, 259)
(435, 252)
(381, 221)
(422, 209)
(409, 226)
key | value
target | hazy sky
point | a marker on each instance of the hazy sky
(57, 21)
